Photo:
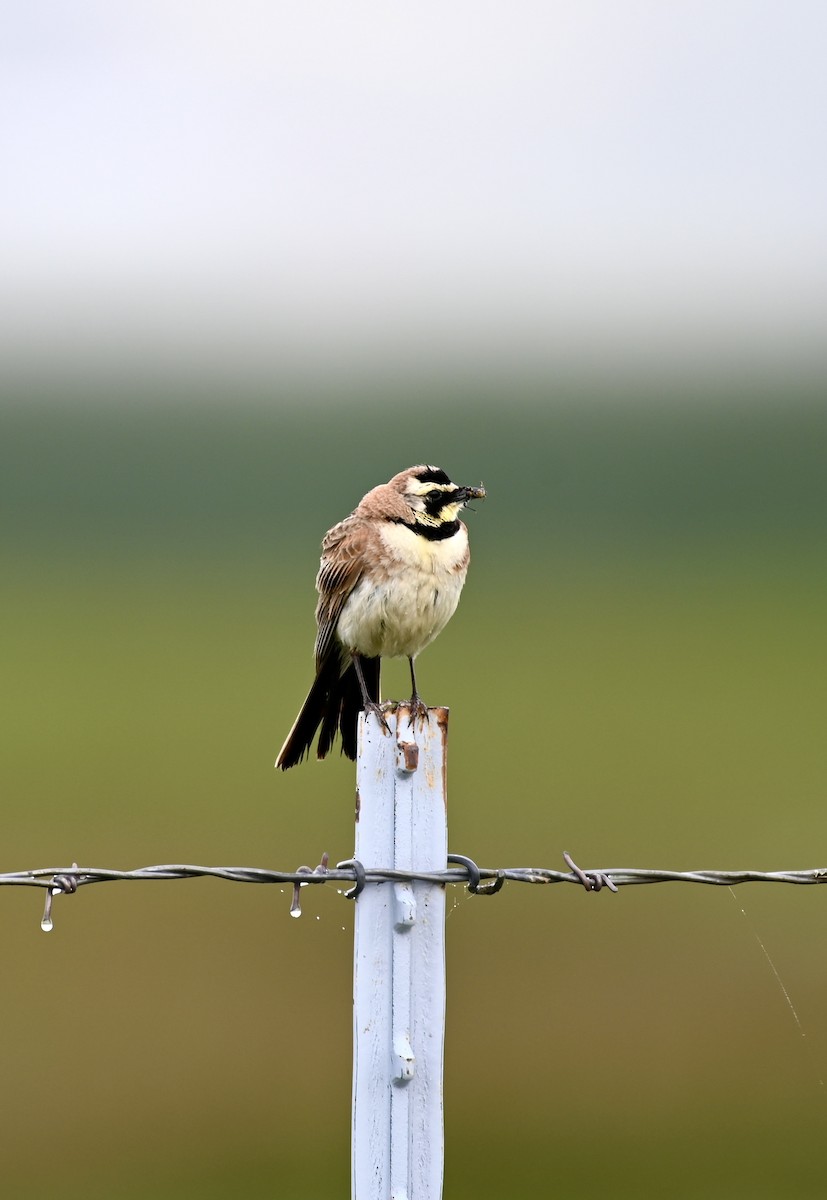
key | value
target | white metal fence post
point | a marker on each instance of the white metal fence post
(399, 961)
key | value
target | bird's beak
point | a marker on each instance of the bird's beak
(464, 494)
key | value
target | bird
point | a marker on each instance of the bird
(390, 579)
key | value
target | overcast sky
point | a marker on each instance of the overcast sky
(265, 179)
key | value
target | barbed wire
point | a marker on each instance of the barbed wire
(480, 880)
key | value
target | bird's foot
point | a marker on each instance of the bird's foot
(419, 709)
(376, 710)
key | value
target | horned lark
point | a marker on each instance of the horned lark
(389, 582)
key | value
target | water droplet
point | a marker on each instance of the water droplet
(47, 925)
(296, 911)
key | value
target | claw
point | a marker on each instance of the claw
(419, 709)
(376, 710)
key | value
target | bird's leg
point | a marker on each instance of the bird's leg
(418, 706)
(370, 706)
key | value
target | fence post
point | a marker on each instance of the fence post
(399, 961)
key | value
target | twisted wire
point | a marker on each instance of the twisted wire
(70, 878)
(481, 881)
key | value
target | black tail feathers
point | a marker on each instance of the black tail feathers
(334, 701)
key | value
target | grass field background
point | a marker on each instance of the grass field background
(635, 674)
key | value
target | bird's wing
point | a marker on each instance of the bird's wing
(343, 557)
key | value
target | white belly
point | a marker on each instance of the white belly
(400, 613)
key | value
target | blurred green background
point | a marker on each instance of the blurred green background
(635, 674)
(258, 257)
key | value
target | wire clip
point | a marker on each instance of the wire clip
(475, 885)
(359, 872)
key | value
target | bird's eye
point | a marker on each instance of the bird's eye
(435, 494)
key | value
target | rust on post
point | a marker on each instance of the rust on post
(441, 714)
(407, 756)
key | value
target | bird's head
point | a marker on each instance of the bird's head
(431, 497)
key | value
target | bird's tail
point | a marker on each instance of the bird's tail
(334, 702)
